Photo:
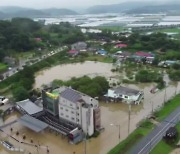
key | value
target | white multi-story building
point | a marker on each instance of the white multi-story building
(80, 109)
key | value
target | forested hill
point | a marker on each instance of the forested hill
(2, 15)
(13, 11)
(22, 34)
(57, 12)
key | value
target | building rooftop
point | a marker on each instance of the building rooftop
(72, 51)
(143, 54)
(29, 107)
(75, 96)
(32, 123)
(71, 95)
(126, 91)
(121, 45)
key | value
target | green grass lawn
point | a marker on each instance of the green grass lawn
(3, 67)
(168, 108)
(163, 148)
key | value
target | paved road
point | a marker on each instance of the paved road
(16, 69)
(151, 140)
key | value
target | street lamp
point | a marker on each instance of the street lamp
(118, 127)
(152, 106)
(129, 116)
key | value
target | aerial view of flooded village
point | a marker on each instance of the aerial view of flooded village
(94, 78)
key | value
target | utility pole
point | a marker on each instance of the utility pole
(152, 105)
(164, 96)
(85, 148)
(119, 127)
(119, 133)
(129, 117)
(176, 88)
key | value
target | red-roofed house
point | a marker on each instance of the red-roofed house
(143, 54)
(121, 45)
(149, 57)
(38, 39)
(73, 52)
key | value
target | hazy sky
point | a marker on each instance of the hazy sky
(63, 3)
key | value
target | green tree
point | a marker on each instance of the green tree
(20, 93)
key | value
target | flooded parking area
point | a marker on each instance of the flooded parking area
(111, 113)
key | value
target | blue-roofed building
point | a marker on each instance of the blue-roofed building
(102, 52)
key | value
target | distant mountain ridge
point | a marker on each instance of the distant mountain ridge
(56, 12)
(135, 7)
(13, 11)
(156, 9)
(116, 8)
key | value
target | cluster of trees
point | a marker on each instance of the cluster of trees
(20, 34)
(92, 87)
(153, 42)
(174, 75)
(149, 76)
(17, 34)
(65, 33)
(172, 55)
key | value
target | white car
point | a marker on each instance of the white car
(9, 68)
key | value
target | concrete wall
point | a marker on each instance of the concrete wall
(69, 111)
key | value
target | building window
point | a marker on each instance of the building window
(78, 114)
(61, 108)
(78, 107)
(77, 120)
(72, 118)
(67, 110)
(71, 105)
(125, 96)
(62, 114)
(72, 112)
(67, 116)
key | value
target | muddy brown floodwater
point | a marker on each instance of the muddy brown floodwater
(67, 71)
(116, 113)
